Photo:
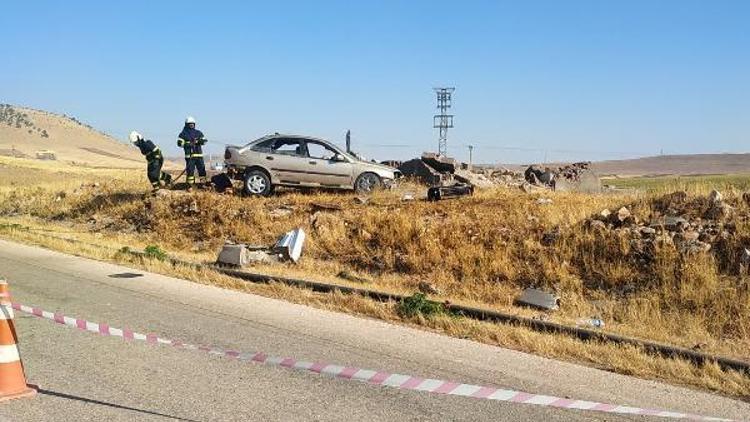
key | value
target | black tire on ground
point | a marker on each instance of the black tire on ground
(257, 183)
(367, 183)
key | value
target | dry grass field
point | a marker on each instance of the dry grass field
(480, 250)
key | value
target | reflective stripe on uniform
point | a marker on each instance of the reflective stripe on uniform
(196, 155)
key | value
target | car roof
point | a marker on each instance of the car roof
(286, 135)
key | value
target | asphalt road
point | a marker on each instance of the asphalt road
(84, 376)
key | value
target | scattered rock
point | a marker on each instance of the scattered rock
(347, 275)
(551, 237)
(715, 197)
(622, 215)
(720, 211)
(597, 225)
(695, 247)
(744, 262)
(327, 207)
(259, 257)
(543, 201)
(280, 212)
(407, 197)
(428, 288)
(529, 188)
(671, 223)
(686, 236)
(647, 231)
(361, 200)
(700, 346)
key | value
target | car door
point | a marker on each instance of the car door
(288, 161)
(326, 170)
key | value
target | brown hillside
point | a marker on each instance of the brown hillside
(662, 165)
(677, 165)
(24, 132)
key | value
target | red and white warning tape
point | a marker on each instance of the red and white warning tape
(405, 382)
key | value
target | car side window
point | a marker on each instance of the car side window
(320, 151)
(288, 147)
(264, 146)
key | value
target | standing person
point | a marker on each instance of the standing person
(191, 140)
(154, 160)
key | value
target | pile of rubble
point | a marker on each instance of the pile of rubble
(692, 226)
(436, 170)
(287, 248)
(577, 177)
(446, 176)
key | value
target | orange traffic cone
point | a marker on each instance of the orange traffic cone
(12, 379)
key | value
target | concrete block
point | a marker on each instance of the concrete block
(233, 255)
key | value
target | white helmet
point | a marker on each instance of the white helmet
(189, 119)
(135, 137)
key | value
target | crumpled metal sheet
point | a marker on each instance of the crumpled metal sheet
(291, 243)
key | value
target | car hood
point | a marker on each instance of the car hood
(376, 166)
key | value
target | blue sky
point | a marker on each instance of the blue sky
(563, 80)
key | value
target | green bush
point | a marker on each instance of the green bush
(418, 304)
(153, 251)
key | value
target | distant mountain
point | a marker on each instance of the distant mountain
(27, 132)
(663, 165)
(676, 165)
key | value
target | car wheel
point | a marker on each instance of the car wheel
(257, 183)
(367, 183)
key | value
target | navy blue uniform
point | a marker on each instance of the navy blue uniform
(191, 140)
(155, 161)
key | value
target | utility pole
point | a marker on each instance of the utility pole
(471, 151)
(443, 121)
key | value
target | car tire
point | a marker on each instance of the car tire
(257, 183)
(367, 183)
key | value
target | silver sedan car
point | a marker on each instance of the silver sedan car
(302, 161)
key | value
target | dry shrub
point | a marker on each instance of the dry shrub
(482, 249)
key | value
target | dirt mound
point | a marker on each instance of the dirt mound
(688, 226)
(25, 131)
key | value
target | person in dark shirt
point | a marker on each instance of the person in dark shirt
(191, 140)
(154, 160)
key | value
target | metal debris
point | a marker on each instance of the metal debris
(437, 193)
(290, 244)
(539, 299)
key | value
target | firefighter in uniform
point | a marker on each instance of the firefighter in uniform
(154, 158)
(191, 140)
